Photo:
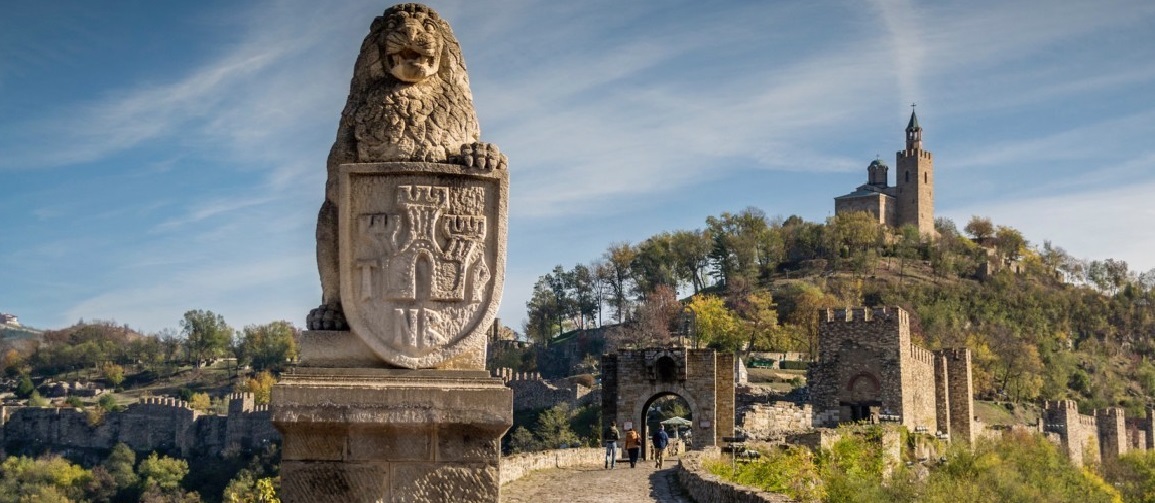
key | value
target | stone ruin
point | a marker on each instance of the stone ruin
(161, 424)
(1103, 435)
(391, 400)
(633, 379)
(869, 370)
(532, 392)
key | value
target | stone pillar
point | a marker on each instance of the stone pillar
(961, 394)
(388, 435)
(942, 393)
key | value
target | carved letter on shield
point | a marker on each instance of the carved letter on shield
(422, 258)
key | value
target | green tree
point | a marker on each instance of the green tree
(522, 440)
(162, 473)
(245, 487)
(206, 334)
(119, 465)
(25, 388)
(759, 318)
(617, 275)
(553, 427)
(979, 228)
(691, 256)
(35, 400)
(51, 479)
(654, 264)
(112, 373)
(744, 245)
(270, 346)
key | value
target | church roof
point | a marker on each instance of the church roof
(866, 191)
(913, 122)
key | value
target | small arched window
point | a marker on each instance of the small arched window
(907, 176)
(926, 178)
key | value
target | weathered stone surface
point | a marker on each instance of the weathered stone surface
(704, 378)
(422, 258)
(433, 435)
(411, 236)
(392, 402)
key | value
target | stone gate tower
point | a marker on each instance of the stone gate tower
(915, 182)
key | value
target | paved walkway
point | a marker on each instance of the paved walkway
(593, 484)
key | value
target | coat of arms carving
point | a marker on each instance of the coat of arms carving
(421, 244)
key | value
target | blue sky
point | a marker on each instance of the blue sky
(165, 156)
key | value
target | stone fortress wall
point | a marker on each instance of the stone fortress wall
(154, 424)
(1103, 435)
(868, 369)
(532, 392)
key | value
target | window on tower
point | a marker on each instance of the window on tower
(907, 176)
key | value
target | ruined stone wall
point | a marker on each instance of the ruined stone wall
(155, 424)
(531, 392)
(960, 394)
(774, 421)
(1112, 433)
(1079, 433)
(918, 396)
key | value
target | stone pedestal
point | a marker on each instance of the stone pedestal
(390, 435)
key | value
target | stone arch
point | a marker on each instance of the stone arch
(639, 416)
(633, 379)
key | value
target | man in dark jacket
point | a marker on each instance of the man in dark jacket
(610, 438)
(661, 440)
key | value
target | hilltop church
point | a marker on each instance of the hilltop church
(910, 200)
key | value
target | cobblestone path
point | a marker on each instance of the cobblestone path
(593, 484)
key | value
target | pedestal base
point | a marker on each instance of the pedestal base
(385, 435)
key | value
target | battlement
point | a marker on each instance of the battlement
(921, 354)
(240, 403)
(920, 153)
(507, 374)
(1110, 413)
(955, 353)
(866, 315)
(164, 401)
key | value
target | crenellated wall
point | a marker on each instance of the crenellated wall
(869, 370)
(531, 392)
(153, 424)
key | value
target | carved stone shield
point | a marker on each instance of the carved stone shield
(422, 258)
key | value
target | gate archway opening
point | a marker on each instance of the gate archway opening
(666, 407)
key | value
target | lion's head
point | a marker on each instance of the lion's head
(411, 43)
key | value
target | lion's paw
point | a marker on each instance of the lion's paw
(483, 156)
(327, 317)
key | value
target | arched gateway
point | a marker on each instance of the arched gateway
(634, 379)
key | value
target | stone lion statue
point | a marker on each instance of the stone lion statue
(409, 100)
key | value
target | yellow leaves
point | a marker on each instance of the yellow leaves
(715, 325)
(260, 385)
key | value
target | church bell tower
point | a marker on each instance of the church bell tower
(915, 182)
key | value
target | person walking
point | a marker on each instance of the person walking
(611, 441)
(661, 440)
(633, 446)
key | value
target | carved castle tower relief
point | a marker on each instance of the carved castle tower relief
(915, 181)
(910, 200)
